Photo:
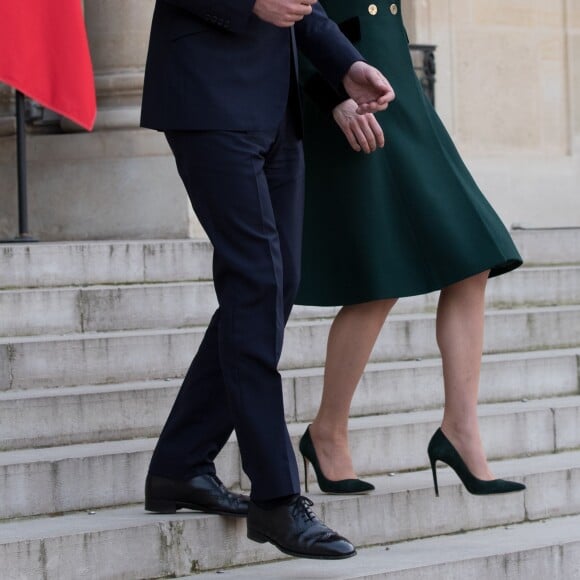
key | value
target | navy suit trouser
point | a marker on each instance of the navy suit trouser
(246, 189)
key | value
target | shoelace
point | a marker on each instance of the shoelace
(216, 479)
(224, 489)
(304, 505)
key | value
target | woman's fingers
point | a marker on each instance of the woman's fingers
(352, 141)
(362, 132)
(362, 136)
(368, 133)
(377, 131)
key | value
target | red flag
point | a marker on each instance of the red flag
(44, 53)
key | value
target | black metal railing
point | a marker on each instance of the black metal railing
(423, 56)
(23, 234)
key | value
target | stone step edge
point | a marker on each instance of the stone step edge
(119, 285)
(45, 408)
(82, 304)
(516, 232)
(84, 450)
(206, 542)
(8, 340)
(108, 261)
(290, 374)
(134, 515)
(88, 286)
(500, 552)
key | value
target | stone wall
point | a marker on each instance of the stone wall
(573, 26)
(508, 89)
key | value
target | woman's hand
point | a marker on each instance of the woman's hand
(363, 132)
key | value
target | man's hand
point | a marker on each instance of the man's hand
(283, 13)
(363, 132)
(368, 87)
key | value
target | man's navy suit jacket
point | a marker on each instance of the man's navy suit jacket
(214, 65)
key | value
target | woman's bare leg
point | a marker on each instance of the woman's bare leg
(460, 321)
(352, 336)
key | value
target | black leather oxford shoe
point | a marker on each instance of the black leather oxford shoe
(295, 530)
(205, 493)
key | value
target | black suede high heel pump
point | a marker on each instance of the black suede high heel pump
(342, 486)
(441, 449)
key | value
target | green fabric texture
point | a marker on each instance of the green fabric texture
(405, 220)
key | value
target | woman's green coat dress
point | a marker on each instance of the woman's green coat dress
(406, 219)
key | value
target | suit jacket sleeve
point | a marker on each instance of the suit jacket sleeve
(225, 14)
(320, 39)
(313, 83)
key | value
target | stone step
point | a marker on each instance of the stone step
(73, 415)
(398, 442)
(532, 551)
(415, 385)
(63, 479)
(129, 543)
(105, 308)
(185, 304)
(412, 336)
(549, 245)
(103, 262)
(124, 262)
(125, 356)
(88, 414)
(75, 477)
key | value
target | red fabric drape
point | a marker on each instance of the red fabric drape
(44, 53)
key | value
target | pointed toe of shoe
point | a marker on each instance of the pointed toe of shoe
(346, 486)
(505, 486)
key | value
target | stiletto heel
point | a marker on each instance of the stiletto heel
(342, 486)
(434, 471)
(441, 449)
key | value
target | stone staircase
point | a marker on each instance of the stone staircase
(93, 340)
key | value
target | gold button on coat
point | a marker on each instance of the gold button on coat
(373, 9)
(394, 9)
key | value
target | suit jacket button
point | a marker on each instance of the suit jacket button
(373, 9)
(394, 9)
